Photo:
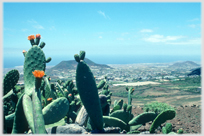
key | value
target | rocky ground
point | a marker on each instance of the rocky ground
(187, 117)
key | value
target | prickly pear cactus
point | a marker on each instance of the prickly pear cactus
(88, 91)
(10, 80)
(34, 60)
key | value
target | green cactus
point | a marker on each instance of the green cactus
(34, 60)
(20, 124)
(10, 80)
(101, 84)
(161, 118)
(167, 129)
(142, 118)
(123, 115)
(116, 122)
(180, 131)
(88, 92)
(56, 110)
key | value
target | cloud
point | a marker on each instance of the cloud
(195, 19)
(100, 37)
(195, 41)
(146, 31)
(38, 27)
(162, 38)
(35, 24)
(192, 26)
(52, 28)
(104, 15)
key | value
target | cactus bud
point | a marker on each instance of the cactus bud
(31, 39)
(24, 52)
(37, 40)
(48, 59)
(42, 44)
(82, 55)
(76, 56)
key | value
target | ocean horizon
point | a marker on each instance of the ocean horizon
(11, 62)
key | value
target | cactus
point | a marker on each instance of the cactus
(161, 118)
(88, 92)
(123, 115)
(142, 118)
(101, 84)
(34, 60)
(20, 124)
(115, 122)
(56, 110)
(10, 80)
(167, 128)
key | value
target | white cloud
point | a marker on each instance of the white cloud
(192, 26)
(38, 26)
(146, 31)
(162, 38)
(104, 15)
(35, 24)
(24, 30)
(195, 41)
(100, 37)
(195, 19)
(52, 28)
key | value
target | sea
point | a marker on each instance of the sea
(11, 61)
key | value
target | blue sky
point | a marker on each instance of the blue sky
(103, 29)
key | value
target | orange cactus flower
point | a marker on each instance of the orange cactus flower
(31, 37)
(38, 36)
(49, 99)
(24, 51)
(70, 95)
(38, 73)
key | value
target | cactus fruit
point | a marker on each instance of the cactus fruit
(10, 80)
(161, 118)
(142, 118)
(88, 92)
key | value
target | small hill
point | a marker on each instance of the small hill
(72, 64)
(184, 64)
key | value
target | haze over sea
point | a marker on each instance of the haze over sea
(11, 62)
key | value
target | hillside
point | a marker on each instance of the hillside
(72, 64)
(184, 64)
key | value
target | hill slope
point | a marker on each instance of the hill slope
(185, 64)
(72, 64)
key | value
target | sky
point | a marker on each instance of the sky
(104, 30)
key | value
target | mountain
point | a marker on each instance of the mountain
(184, 64)
(196, 71)
(72, 64)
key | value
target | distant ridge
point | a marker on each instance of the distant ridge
(185, 64)
(72, 64)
